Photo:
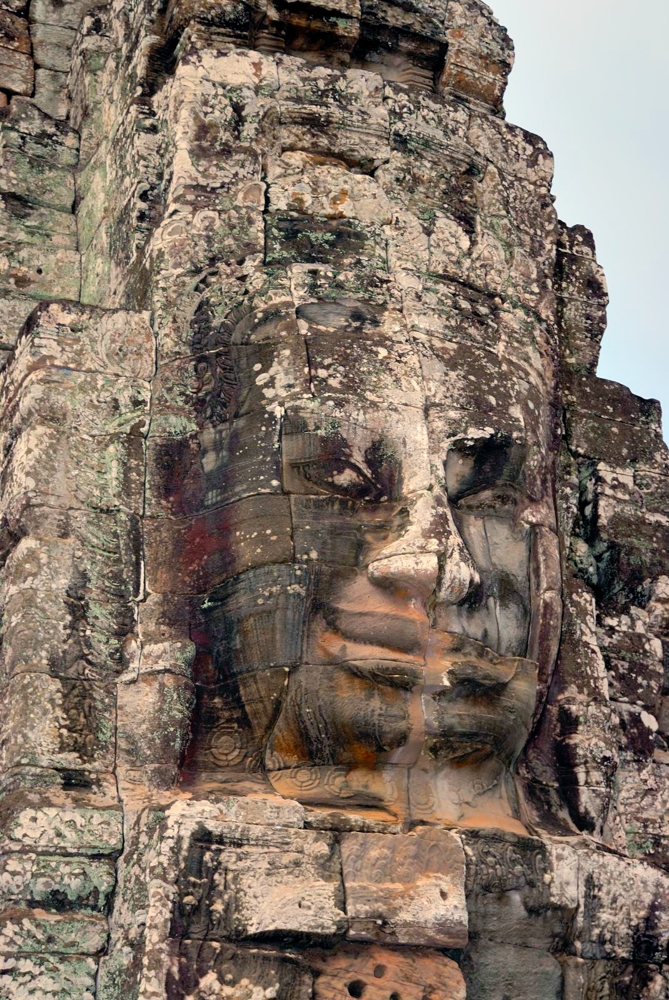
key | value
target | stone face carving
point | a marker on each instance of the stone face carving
(382, 660)
(335, 605)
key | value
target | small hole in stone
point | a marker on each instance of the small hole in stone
(39, 270)
(380, 971)
(395, 996)
(356, 988)
(443, 894)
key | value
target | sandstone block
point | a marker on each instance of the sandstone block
(67, 16)
(51, 93)
(379, 973)
(41, 272)
(335, 242)
(222, 742)
(17, 73)
(583, 980)
(36, 932)
(518, 890)
(496, 971)
(193, 555)
(301, 182)
(48, 466)
(46, 633)
(197, 472)
(66, 829)
(62, 397)
(582, 299)
(48, 882)
(260, 615)
(352, 122)
(260, 883)
(623, 912)
(23, 222)
(225, 384)
(14, 32)
(641, 802)
(154, 720)
(654, 491)
(68, 335)
(35, 179)
(205, 968)
(480, 54)
(633, 661)
(65, 724)
(40, 977)
(406, 889)
(52, 46)
(110, 578)
(29, 130)
(15, 308)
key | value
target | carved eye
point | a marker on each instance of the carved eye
(344, 479)
(501, 501)
(328, 464)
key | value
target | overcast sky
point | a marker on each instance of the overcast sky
(592, 78)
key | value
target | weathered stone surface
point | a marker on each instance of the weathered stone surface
(47, 978)
(624, 911)
(205, 968)
(519, 890)
(33, 932)
(582, 300)
(380, 973)
(335, 614)
(174, 870)
(70, 830)
(52, 46)
(614, 979)
(405, 889)
(45, 882)
(27, 170)
(495, 971)
(63, 724)
(16, 71)
(286, 886)
(154, 714)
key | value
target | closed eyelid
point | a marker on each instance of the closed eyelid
(325, 478)
(489, 466)
(492, 497)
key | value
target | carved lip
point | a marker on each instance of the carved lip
(452, 661)
(453, 658)
(389, 673)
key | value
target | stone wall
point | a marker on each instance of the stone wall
(161, 166)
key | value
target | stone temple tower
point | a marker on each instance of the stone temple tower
(335, 592)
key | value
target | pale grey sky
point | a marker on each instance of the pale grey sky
(592, 78)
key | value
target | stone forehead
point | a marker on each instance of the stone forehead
(438, 318)
(359, 367)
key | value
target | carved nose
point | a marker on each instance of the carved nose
(418, 571)
(429, 556)
(459, 574)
